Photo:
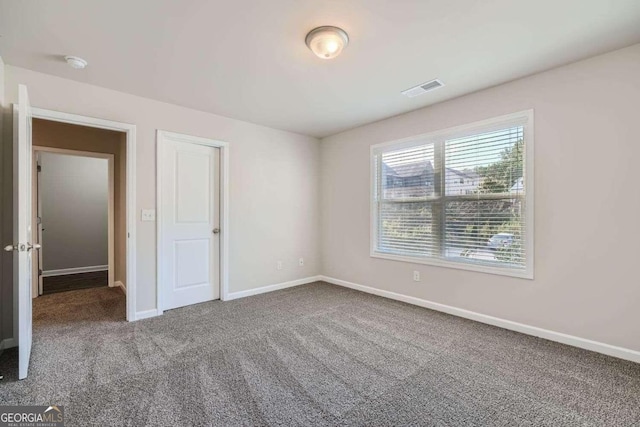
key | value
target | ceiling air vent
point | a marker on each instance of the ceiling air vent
(423, 88)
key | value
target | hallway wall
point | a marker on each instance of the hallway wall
(74, 202)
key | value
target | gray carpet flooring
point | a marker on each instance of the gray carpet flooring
(310, 355)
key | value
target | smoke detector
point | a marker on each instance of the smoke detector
(76, 62)
(423, 88)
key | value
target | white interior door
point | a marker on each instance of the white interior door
(23, 246)
(189, 223)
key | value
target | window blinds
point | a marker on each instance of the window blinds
(457, 199)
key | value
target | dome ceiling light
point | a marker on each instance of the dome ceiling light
(327, 42)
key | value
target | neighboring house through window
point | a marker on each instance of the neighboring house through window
(460, 198)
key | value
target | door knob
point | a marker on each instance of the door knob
(22, 248)
(216, 230)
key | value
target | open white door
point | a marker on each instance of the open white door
(23, 246)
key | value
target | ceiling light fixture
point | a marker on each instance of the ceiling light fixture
(327, 42)
(75, 62)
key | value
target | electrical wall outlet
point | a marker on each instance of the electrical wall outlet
(279, 265)
(301, 262)
(416, 276)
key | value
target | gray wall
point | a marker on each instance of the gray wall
(74, 195)
(586, 203)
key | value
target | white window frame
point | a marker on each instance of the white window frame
(523, 118)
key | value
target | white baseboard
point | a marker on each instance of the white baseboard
(147, 314)
(76, 270)
(119, 284)
(271, 288)
(609, 350)
(8, 343)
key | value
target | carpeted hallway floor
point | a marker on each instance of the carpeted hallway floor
(74, 282)
(309, 355)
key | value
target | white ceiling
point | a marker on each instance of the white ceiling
(247, 59)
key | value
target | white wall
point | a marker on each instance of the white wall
(587, 203)
(274, 180)
(74, 198)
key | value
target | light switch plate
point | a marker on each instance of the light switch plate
(148, 215)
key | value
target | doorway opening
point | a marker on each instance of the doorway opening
(74, 219)
(79, 213)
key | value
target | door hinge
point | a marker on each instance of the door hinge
(39, 168)
(39, 272)
(39, 220)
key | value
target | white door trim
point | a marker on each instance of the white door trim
(130, 131)
(161, 137)
(110, 216)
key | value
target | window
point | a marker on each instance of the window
(460, 198)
